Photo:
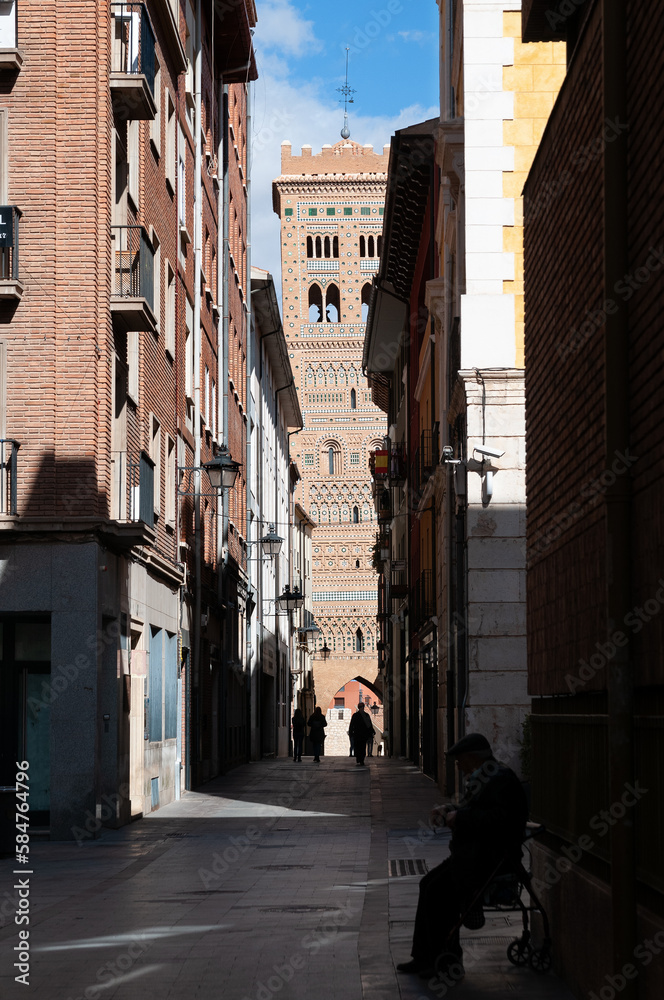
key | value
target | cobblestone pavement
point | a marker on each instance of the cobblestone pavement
(272, 881)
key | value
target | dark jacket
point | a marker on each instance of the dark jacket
(361, 727)
(299, 726)
(317, 730)
(491, 818)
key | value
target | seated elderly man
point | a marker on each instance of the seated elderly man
(487, 830)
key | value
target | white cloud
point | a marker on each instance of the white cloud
(415, 36)
(281, 27)
(283, 110)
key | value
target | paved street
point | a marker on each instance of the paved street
(273, 881)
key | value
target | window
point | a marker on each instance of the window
(170, 482)
(170, 142)
(171, 687)
(309, 460)
(370, 247)
(213, 420)
(339, 703)
(315, 304)
(335, 246)
(366, 301)
(310, 246)
(363, 246)
(357, 564)
(182, 180)
(365, 211)
(169, 318)
(319, 247)
(133, 365)
(156, 298)
(327, 246)
(359, 641)
(356, 515)
(353, 399)
(354, 458)
(155, 455)
(155, 691)
(206, 410)
(189, 354)
(332, 304)
(133, 158)
(155, 124)
(331, 458)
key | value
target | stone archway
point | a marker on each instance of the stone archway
(333, 674)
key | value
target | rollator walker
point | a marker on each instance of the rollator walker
(503, 891)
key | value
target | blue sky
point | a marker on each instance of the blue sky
(300, 50)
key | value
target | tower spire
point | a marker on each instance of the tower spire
(348, 99)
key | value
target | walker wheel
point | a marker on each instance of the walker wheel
(540, 960)
(519, 952)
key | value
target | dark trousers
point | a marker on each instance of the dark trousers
(360, 749)
(298, 740)
(438, 910)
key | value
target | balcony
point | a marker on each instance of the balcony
(384, 507)
(11, 286)
(8, 472)
(10, 56)
(424, 599)
(132, 502)
(132, 291)
(398, 467)
(133, 63)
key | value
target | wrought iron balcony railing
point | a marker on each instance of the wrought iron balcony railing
(10, 281)
(8, 475)
(133, 277)
(133, 61)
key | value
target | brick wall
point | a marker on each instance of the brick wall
(564, 380)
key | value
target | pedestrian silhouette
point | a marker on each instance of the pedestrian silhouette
(317, 723)
(361, 731)
(299, 731)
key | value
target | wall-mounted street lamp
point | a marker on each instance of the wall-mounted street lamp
(290, 600)
(324, 653)
(308, 637)
(222, 472)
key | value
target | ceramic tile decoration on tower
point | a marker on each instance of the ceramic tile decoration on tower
(331, 209)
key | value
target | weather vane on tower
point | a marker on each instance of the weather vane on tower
(347, 92)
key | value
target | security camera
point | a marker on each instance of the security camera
(448, 452)
(488, 452)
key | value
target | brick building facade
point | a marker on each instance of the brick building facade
(113, 308)
(331, 209)
(593, 259)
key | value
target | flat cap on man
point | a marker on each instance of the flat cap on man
(472, 743)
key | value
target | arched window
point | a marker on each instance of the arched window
(359, 641)
(331, 459)
(357, 564)
(363, 247)
(379, 244)
(353, 399)
(370, 248)
(332, 304)
(356, 515)
(319, 247)
(327, 246)
(335, 246)
(310, 246)
(366, 299)
(315, 304)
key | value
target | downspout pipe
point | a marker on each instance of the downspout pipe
(198, 260)
(620, 670)
(252, 571)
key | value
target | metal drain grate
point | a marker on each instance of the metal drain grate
(281, 868)
(400, 867)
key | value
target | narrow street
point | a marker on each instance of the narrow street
(275, 880)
